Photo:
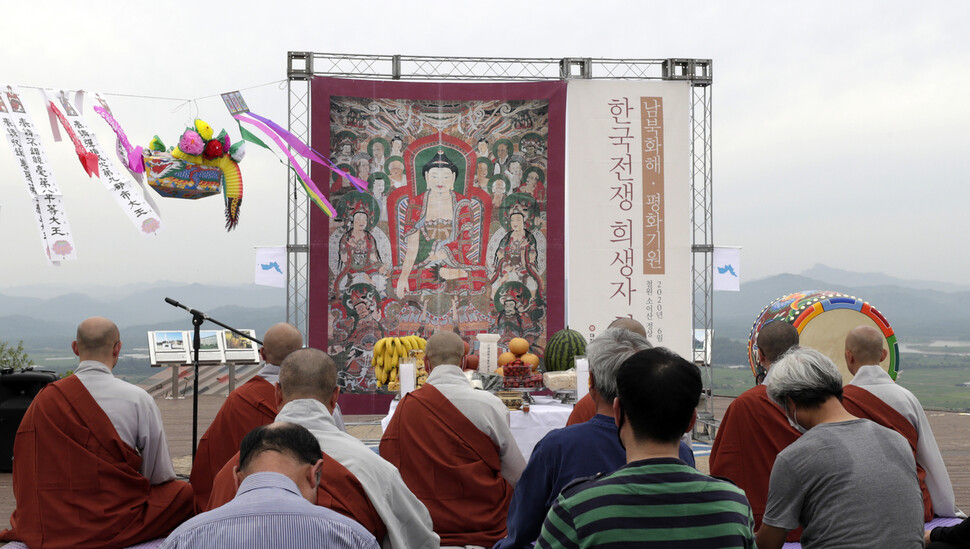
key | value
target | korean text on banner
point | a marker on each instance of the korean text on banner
(126, 193)
(55, 231)
(629, 207)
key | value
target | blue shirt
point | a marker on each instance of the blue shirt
(269, 511)
(562, 456)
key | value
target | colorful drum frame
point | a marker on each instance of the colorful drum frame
(823, 318)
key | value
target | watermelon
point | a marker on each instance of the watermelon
(563, 346)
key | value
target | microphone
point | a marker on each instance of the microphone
(174, 303)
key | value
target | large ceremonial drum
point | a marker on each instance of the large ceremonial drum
(823, 319)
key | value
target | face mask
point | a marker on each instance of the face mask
(794, 422)
(618, 427)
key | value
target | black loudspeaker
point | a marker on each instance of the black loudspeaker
(17, 391)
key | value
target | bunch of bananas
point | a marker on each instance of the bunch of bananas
(388, 353)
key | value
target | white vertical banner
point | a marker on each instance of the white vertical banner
(126, 193)
(727, 268)
(629, 209)
(47, 201)
(271, 266)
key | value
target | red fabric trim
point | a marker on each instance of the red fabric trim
(451, 466)
(583, 411)
(752, 433)
(861, 403)
(339, 490)
(250, 405)
(78, 485)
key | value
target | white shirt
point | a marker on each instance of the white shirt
(485, 411)
(877, 381)
(134, 415)
(271, 373)
(406, 518)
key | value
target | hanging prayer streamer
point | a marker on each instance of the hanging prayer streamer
(55, 231)
(125, 192)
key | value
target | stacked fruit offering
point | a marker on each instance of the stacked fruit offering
(388, 353)
(519, 366)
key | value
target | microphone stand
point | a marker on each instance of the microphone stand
(198, 317)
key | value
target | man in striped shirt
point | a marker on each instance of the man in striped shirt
(655, 500)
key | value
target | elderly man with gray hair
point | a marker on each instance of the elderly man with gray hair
(848, 482)
(577, 451)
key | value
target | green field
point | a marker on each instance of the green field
(937, 387)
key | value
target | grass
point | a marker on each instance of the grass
(937, 387)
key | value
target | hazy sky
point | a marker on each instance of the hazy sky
(840, 128)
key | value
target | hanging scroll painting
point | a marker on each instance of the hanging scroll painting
(462, 225)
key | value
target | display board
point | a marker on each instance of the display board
(629, 244)
(462, 225)
(216, 347)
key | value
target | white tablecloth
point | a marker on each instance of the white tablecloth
(527, 427)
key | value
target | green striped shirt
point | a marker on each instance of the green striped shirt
(655, 502)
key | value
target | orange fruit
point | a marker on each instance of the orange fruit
(505, 358)
(500, 371)
(471, 362)
(531, 360)
(519, 346)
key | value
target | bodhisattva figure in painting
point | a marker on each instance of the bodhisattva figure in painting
(517, 256)
(358, 256)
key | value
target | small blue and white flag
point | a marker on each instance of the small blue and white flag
(727, 268)
(271, 266)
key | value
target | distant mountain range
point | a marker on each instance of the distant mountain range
(915, 309)
(50, 322)
(46, 317)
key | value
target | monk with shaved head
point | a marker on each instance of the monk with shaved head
(356, 482)
(250, 405)
(91, 464)
(454, 448)
(874, 395)
(754, 430)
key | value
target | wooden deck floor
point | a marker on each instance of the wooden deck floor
(952, 431)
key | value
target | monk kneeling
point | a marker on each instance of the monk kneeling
(455, 450)
(91, 464)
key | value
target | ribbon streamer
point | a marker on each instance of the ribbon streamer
(307, 152)
(122, 188)
(308, 185)
(134, 161)
(89, 160)
(130, 157)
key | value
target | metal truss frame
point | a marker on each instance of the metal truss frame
(303, 66)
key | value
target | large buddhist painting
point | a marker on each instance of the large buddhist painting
(461, 225)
